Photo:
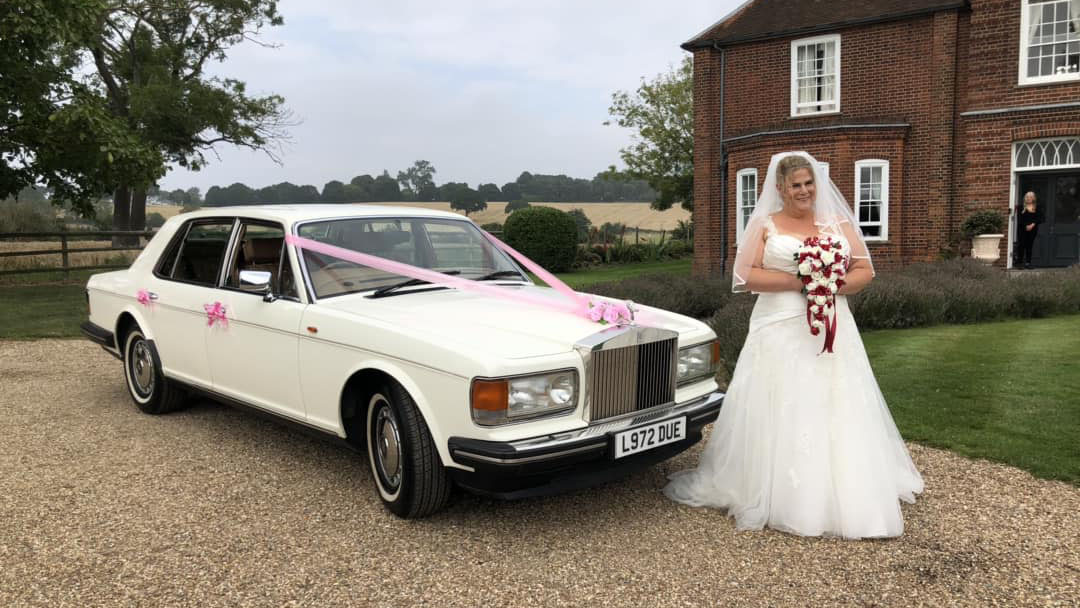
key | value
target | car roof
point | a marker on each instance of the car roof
(290, 214)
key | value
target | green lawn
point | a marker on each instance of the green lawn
(1006, 391)
(42, 311)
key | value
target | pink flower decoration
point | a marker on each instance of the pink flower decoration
(611, 314)
(143, 297)
(215, 312)
(596, 311)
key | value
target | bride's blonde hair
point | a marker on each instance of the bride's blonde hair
(789, 165)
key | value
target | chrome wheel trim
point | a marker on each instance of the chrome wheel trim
(381, 423)
(388, 448)
(142, 368)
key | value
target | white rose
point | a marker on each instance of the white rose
(804, 268)
(814, 309)
(832, 287)
(820, 300)
(816, 276)
(828, 257)
(810, 296)
(818, 324)
(838, 267)
(816, 263)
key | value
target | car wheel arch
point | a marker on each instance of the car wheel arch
(127, 319)
(358, 389)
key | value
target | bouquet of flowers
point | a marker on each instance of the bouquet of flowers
(822, 266)
(611, 313)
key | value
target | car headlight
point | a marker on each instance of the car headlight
(698, 362)
(503, 400)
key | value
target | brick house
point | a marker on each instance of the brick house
(922, 111)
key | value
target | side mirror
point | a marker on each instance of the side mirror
(256, 281)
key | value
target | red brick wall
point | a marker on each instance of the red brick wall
(925, 72)
(993, 64)
(893, 73)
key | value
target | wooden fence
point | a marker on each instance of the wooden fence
(65, 251)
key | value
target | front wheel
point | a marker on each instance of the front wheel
(148, 387)
(408, 472)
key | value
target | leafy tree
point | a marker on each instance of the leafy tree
(333, 192)
(194, 197)
(385, 188)
(464, 198)
(54, 130)
(512, 191)
(489, 192)
(363, 189)
(149, 58)
(583, 223)
(513, 206)
(417, 181)
(661, 113)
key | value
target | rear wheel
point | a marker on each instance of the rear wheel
(148, 387)
(408, 472)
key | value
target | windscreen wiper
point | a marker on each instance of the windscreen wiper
(498, 274)
(382, 291)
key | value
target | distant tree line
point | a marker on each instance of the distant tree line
(417, 184)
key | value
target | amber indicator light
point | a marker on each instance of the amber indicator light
(312, 329)
(490, 395)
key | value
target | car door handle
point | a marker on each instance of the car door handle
(152, 295)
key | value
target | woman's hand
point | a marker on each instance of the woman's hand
(1029, 227)
(762, 280)
(858, 276)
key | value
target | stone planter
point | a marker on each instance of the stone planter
(984, 247)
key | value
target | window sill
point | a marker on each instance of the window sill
(1050, 80)
(814, 115)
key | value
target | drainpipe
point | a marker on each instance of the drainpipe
(723, 171)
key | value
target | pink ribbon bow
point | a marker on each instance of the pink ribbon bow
(143, 297)
(215, 312)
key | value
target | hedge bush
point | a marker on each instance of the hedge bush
(690, 296)
(545, 235)
(954, 291)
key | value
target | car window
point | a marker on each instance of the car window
(203, 252)
(437, 244)
(261, 247)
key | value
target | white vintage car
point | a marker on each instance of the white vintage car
(441, 386)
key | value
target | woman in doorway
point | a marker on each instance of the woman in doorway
(1029, 228)
(805, 442)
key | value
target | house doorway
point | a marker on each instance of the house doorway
(1058, 198)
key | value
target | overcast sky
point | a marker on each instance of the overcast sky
(482, 89)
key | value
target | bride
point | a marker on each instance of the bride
(804, 442)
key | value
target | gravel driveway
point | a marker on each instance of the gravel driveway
(101, 505)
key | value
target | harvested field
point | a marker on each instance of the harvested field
(631, 214)
(211, 506)
(53, 260)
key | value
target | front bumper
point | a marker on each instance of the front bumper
(566, 461)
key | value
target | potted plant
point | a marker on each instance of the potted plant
(985, 228)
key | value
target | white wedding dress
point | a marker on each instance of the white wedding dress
(804, 442)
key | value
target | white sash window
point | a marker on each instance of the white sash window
(746, 195)
(1049, 41)
(872, 198)
(815, 75)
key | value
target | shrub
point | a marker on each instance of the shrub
(691, 296)
(515, 205)
(731, 325)
(31, 216)
(155, 220)
(544, 234)
(678, 249)
(492, 227)
(983, 222)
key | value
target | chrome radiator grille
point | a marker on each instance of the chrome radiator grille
(632, 378)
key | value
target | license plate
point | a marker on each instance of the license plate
(645, 438)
